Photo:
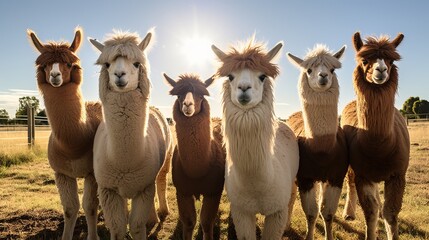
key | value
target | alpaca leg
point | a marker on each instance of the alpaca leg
(393, 194)
(161, 187)
(311, 210)
(274, 225)
(290, 205)
(370, 206)
(351, 200)
(208, 215)
(115, 212)
(141, 206)
(90, 205)
(186, 205)
(328, 207)
(67, 187)
(245, 223)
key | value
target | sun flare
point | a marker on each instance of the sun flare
(196, 49)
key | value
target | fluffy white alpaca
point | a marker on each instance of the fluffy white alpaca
(262, 152)
(133, 142)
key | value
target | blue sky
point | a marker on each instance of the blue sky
(299, 24)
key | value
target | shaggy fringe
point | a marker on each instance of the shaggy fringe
(320, 54)
(189, 83)
(251, 55)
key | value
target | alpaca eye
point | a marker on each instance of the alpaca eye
(309, 71)
(107, 65)
(230, 77)
(69, 65)
(262, 77)
(332, 70)
(391, 62)
(136, 64)
(364, 62)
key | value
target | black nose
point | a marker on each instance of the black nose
(119, 74)
(323, 75)
(244, 88)
(55, 74)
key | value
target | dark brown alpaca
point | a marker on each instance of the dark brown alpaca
(199, 158)
(322, 143)
(377, 136)
(73, 123)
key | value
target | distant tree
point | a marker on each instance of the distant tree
(24, 102)
(421, 107)
(4, 116)
(407, 107)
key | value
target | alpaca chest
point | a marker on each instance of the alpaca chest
(257, 195)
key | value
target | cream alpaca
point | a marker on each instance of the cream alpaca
(133, 143)
(262, 153)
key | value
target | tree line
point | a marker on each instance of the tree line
(21, 112)
(413, 107)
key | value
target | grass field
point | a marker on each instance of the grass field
(30, 206)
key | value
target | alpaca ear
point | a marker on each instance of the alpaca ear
(274, 52)
(35, 41)
(357, 41)
(398, 40)
(169, 80)
(96, 44)
(209, 81)
(77, 40)
(340, 52)
(143, 45)
(221, 55)
(294, 59)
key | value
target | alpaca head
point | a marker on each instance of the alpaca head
(319, 67)
(376, 57)
(57, 63)
(247, 70)
(190, 92)
(123, 57)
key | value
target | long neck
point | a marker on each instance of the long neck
(249, 134)
(194, 140)
(320, 115)
(375, 106)
(66, 112)
(126, 116)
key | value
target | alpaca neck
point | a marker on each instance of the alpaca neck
(66, 112)
(250, 135)
(320, 116)
(126, 117)
(194, 140)
(375, 109)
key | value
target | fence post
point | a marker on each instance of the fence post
(30, 125)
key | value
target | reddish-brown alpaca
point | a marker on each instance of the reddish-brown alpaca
(377, 136)
(199, 158)
(73, 123)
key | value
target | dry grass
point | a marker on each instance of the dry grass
(30, 187)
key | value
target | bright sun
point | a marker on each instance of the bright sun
(197, 50)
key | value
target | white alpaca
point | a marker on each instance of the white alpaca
(133, 142)
(262, 152)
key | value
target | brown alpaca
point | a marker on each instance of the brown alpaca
(199, 158)
(377, 136)
(73, 123)
(322, 144)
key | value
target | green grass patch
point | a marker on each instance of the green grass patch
(8, 159)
